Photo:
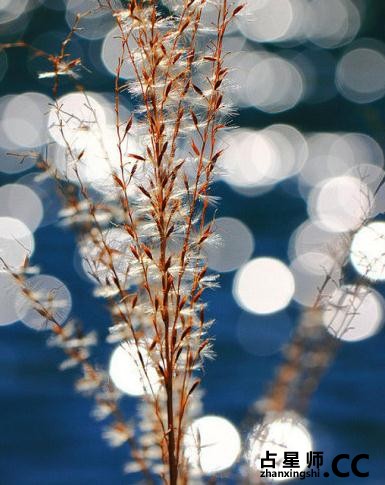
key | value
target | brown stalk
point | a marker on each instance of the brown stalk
(172, 326)
(88, 368)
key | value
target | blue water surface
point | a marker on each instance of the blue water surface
(47, 436)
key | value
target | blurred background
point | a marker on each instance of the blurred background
(308, 83)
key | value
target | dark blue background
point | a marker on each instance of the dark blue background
(46, 434)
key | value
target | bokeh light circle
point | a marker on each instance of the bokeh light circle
(16, 243)
(279, 434)
(112, 51)
(127, 373)
(74, 115)
(354, 313)
(310, 276)
(50, 295)
(266, 21)
(212, 444)
(9, 292)
(234, 247)
(274, 85)
(332, 23)
(96, 261)
(340, 204)
(367, 251)
(263, 286)
(20, 202)
(360, 75)
(24, 119)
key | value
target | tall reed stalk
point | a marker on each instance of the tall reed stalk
(144, 219)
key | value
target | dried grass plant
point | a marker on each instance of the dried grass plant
(142, 224)
(314, 345)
